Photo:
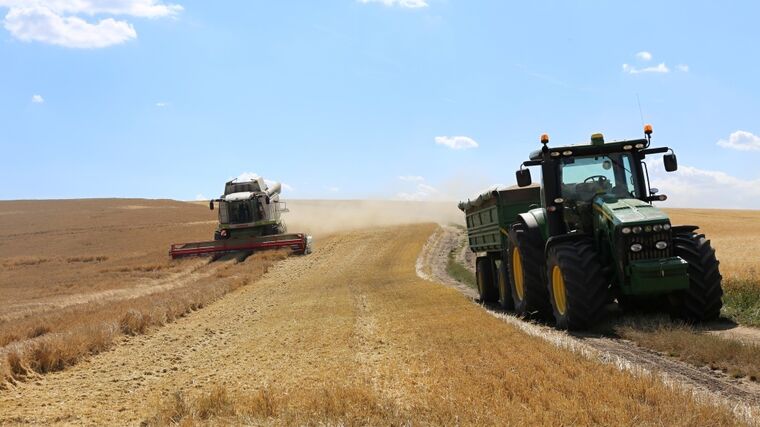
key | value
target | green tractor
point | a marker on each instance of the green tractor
(597, 237)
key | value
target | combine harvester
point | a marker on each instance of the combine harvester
(249, 221)
(588, 236)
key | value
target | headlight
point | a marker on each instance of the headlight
(636, 230)
(666, 227)
(648, 228)
(636, 247)
(657, 227)
(661, 245)
(626, 230)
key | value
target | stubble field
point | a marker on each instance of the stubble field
(348, 335)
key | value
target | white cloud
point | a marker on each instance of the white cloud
(422, 191)
(247, 176)
(138, 8)
(411, 178)
(694, 187)
(456, 142)
(38, 99)
(644, 56)
(200, 197)
(741, 140)
(659, 68)
(59, 22)
(409, 4)
(162, 104)
(333, 189)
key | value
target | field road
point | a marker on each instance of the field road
(351, 334)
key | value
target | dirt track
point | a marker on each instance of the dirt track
(353, 317)
(740, 394)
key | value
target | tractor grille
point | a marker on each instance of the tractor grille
(647, 240)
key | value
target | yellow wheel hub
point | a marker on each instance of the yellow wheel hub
(517, 273)
(558, 290)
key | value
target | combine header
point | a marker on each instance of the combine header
(249, 220)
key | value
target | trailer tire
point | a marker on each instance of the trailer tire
(702, 301)
(504, 286)
(484, 276)
(525, 257)
(576, 284)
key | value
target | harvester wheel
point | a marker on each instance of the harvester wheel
(484, 276)
(577, 285)
(525, 264)
(505, 287)
(702, 301)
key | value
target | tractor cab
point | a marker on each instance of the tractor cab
(577, 178)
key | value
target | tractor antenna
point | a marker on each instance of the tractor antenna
(641, 115)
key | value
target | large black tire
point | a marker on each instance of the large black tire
(525, 261)
(702, 301)
(576, 284)
(484, 276)
(504, 286)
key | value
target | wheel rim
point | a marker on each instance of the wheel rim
(517, 273)
(558, 290)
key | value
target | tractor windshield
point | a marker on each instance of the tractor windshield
(238, 212)
(583, 178)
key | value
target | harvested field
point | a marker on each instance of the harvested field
(349, 335)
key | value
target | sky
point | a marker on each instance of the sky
(369, 99)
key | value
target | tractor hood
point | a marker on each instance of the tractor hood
(629, 211)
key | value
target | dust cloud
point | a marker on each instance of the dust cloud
(323, 217)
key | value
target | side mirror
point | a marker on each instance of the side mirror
(523, 177)
(671, 163)
(654, 190)
(211, 205)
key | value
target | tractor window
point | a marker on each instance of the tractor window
(585, 177)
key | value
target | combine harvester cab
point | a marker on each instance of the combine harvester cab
(590, 236)
(249, 221)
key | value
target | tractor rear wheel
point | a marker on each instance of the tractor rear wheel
(702, 301)
(484, 276)
(525, 258)
(577, 285)
(505, 288)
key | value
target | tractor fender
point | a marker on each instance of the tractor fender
(535, 221)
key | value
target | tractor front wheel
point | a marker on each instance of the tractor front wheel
(484, 276)
(577, 286)
(702, 301)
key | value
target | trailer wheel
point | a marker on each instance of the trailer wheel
(484, 276)
(505, 287)
(525, 258)
(577, 285)
(702, 301)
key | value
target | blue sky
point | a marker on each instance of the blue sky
(419, 99)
